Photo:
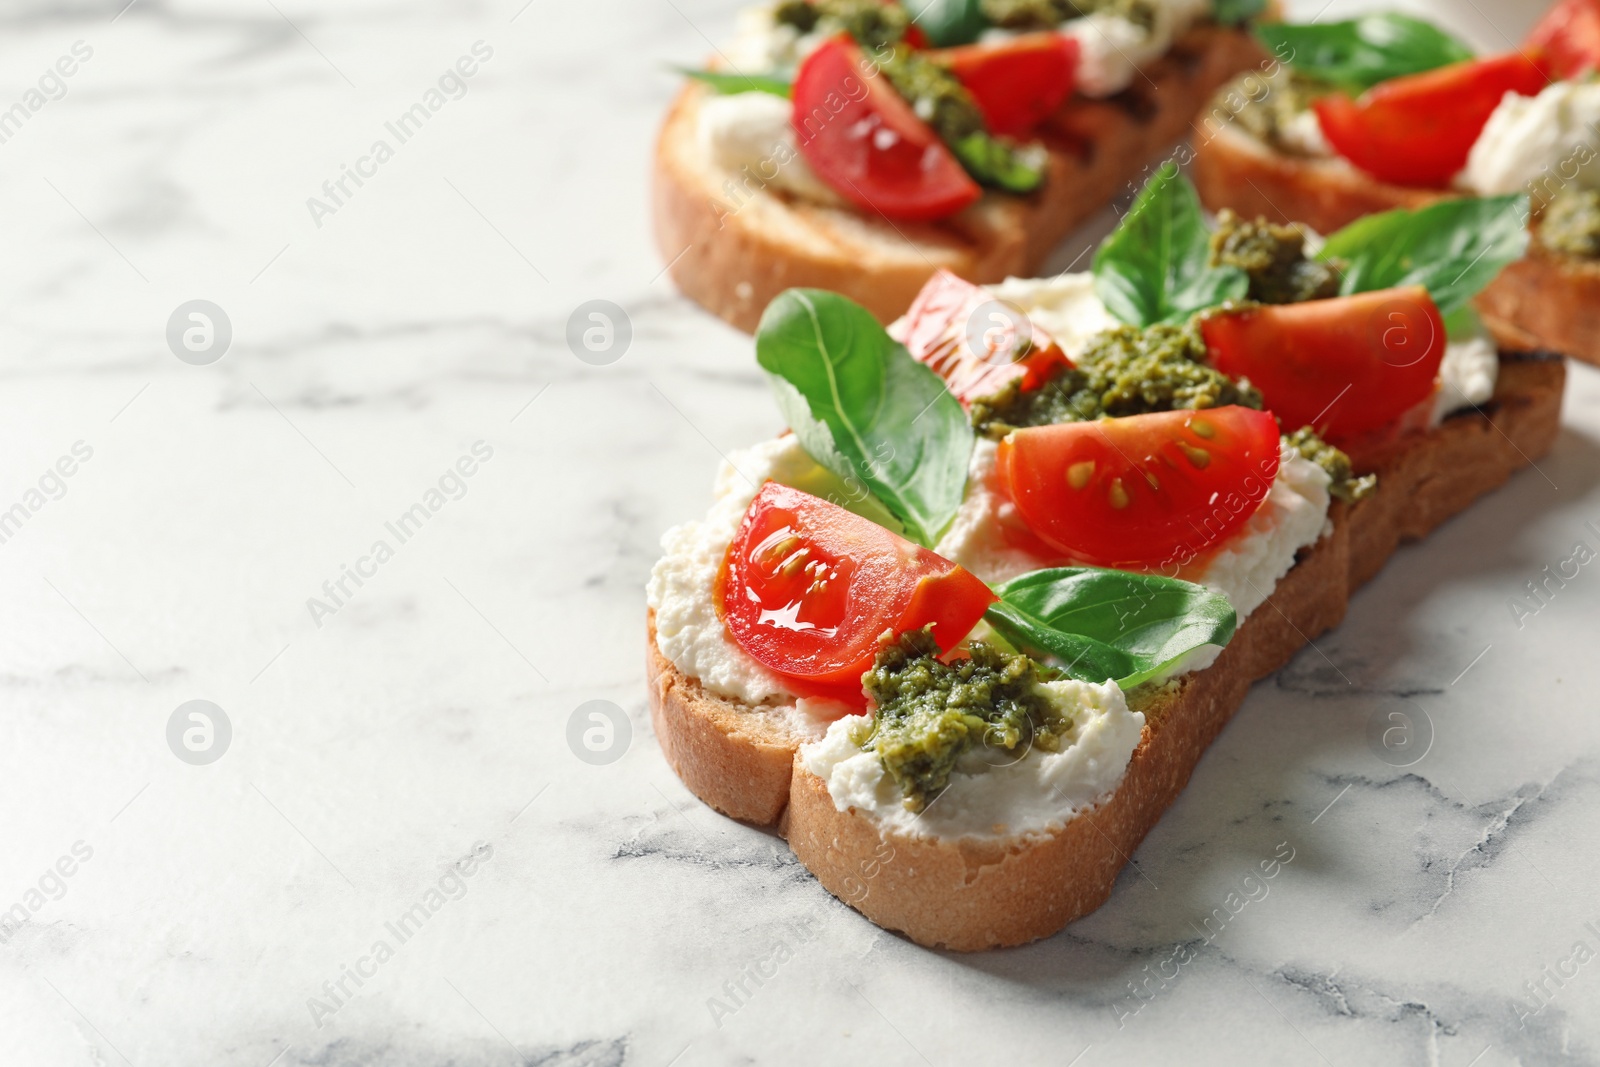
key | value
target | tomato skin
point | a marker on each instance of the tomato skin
(1349, 366)
(864, 140)
(1569, 36)
(807, 589)
(1144, 491)
(1017, 83)
(971, 340)
(1419, 129)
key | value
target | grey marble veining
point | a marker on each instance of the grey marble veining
(1425, 914)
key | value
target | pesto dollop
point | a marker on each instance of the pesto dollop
(873, 23)
(929, 713)
(1344, 484)
(1126, 370)
(1275, 259)
(1266, 105)
(1048, 14)
(1571, 223)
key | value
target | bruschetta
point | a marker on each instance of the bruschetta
(840, 144)
(964, 632)
(1387, 111)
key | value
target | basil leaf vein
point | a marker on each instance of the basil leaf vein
(1098, 624)
(1155, 267)
(728, 83)
(865, 409)
(1360, 53)
(1455, 248)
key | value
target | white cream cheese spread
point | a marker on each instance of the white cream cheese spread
(1112, 49)
(749, 136)
(992, 793)
(1538, 142)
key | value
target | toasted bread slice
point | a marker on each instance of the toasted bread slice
(1545, 301)
(734, 757)
(1234, 169)
(969, 895)
(733, 258)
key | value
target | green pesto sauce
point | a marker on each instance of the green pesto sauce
(1264, 105)
(929, 713)
(1571, 224)
(1345, 485)
(1048, 14)
(1275, 258)
(940, 100)
(1126, 370)
(871, 22)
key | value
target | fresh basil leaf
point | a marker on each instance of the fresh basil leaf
(1454, 247)
(1358, 54)
(865, 409)
(1096, 624)
(1155, 265)
(728, 83)
(949, 22)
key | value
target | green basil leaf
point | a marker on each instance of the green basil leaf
(865, 409)
(1454, 247)
(1358, 54)
(949, 22)
(727, 83)
(1233, 12)
(1155, 265)
(1096, 624)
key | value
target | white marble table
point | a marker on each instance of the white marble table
(213, 912)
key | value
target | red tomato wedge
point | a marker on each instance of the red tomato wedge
(1569, 37)
(976, 343)
(864, 140)
(1142, 491)
(1347, 366)
(1017, 83)
(807, 588)
(1418, 130)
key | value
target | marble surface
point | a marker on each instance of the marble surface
(417, 725)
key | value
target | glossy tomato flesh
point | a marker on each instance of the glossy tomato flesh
(1417, 130)
(976, 343)
(808, 588)
(864, 140)
(1569, 37)
(1144, 491)
(1348, 366)
(1017, 83)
